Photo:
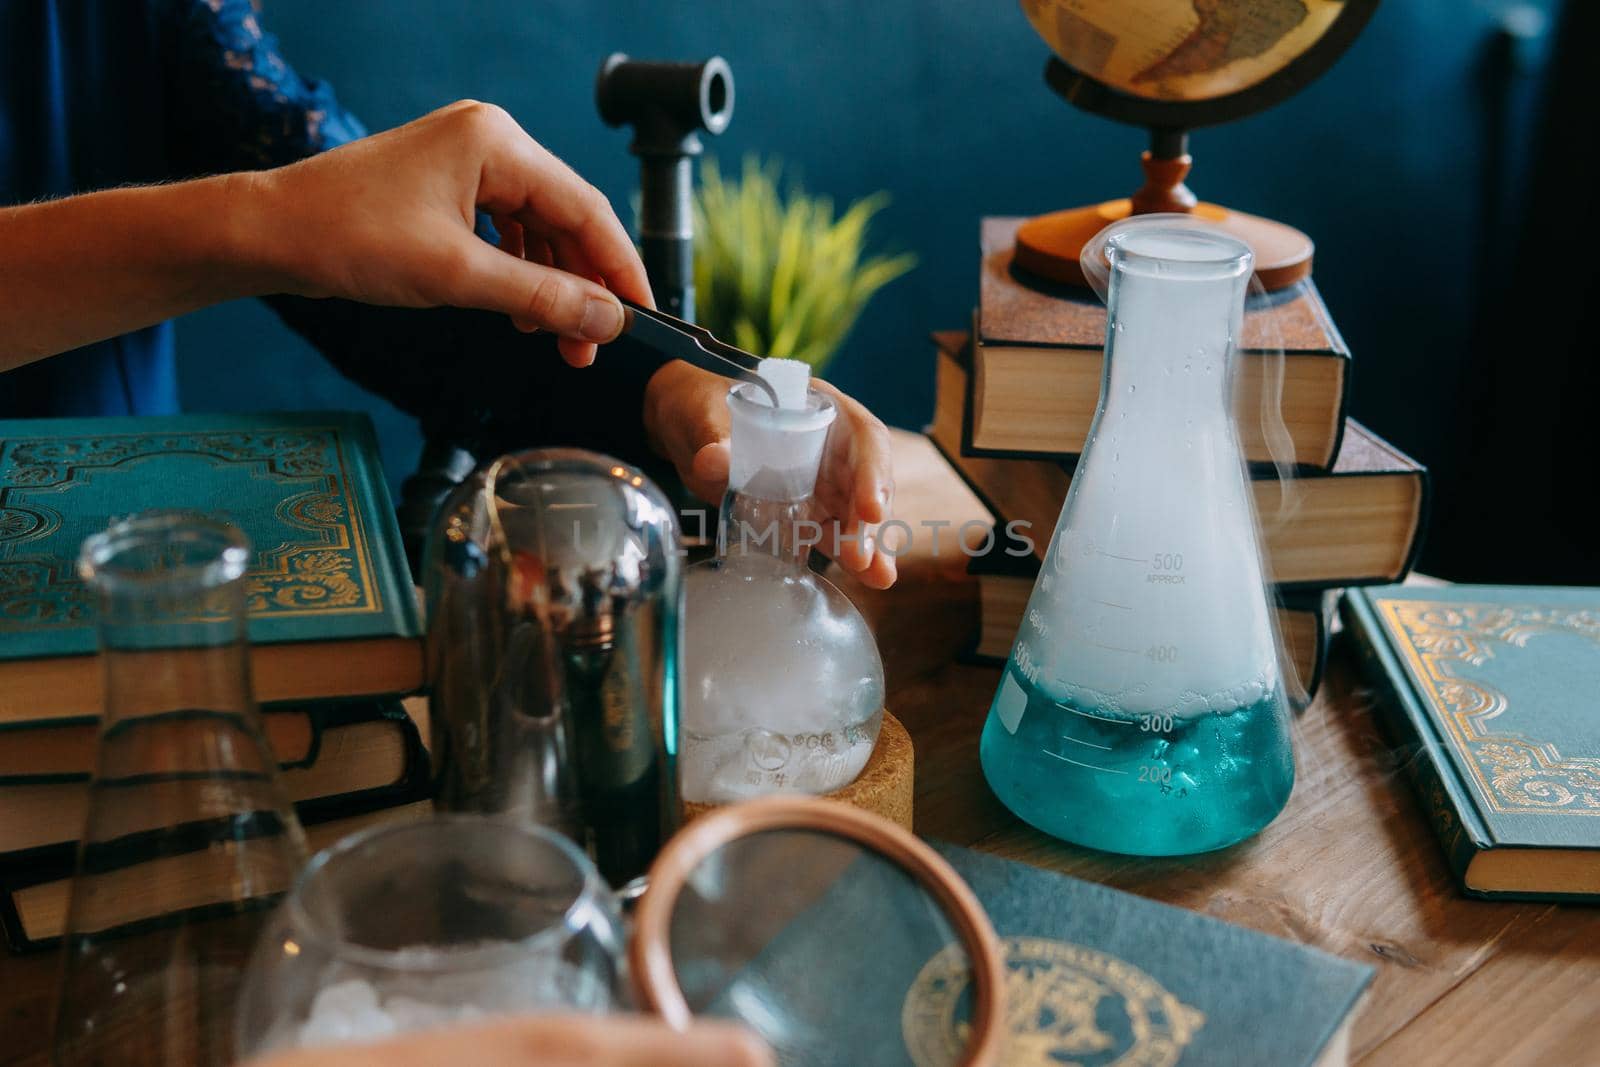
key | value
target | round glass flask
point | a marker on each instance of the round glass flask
(783, 685)
(1142, 707)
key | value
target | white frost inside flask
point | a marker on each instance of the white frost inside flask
(783, 685)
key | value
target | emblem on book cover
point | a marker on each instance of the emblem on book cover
(1443, 643)
(1065, 1004)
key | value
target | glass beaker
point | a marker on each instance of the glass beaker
(1142, 708)
(754, 931)
(406, 927)
(189, 835)
(783, 685)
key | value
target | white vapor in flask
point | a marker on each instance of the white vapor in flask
(783, 685)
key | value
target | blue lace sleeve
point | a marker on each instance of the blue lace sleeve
(234, 102)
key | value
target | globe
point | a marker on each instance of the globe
(1161, 50)
(1172, 66)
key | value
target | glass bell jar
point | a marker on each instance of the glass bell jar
(783, 685)
(554, 588)
(1142, 707)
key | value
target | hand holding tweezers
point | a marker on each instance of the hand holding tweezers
(693, 344)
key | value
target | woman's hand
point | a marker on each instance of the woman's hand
(686, 417)
(389, 220)
(548, 1041)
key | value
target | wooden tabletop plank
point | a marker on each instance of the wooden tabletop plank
(27, 1004)
(1536, 1001)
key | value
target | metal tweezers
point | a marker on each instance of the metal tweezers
(692, 344)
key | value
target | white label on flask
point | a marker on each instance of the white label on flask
(1011, 703)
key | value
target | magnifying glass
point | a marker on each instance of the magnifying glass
(835, 934)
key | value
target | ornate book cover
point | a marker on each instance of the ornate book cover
(306, 487)
(1093, 976)
(1494, 688)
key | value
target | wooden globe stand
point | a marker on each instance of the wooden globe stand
(1049, 245)
(884, 786)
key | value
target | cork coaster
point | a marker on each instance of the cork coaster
(885, 785)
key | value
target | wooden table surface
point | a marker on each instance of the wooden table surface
(1351, 867)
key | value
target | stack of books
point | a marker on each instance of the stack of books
(333, 622)
(1016, 397)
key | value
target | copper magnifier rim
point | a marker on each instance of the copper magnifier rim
(650, 952)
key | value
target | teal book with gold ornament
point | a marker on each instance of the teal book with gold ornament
(1493, 691)
(332, 610)
(1094, 977)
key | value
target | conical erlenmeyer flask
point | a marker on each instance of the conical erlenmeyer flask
(189, 835)
(1142, 708)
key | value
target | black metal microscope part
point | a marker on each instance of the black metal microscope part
(667, 104)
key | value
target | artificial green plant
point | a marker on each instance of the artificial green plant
(775, 272)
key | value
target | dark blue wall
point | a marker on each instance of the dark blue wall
(942, 102)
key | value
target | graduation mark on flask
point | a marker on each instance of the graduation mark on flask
(1101, 719)
(1155, 773)
(1092, 549)
(1025, 663)
(1165, 568)
(1040, 625)
(1087, 766)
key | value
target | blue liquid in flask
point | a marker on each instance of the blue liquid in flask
(1138, 784)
